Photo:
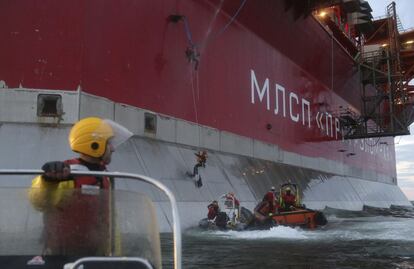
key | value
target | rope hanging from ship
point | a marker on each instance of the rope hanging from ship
(193, 51)
(224, 28)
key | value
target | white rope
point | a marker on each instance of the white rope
(194, 91)
(222, 30)
(210, 25)
(194, 76)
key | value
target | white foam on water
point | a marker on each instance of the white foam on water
(344, 229)
(369, 228)
(275, 232)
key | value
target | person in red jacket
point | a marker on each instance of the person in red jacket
(231, 198)
(77, 210)
(271, 197)
(262, 211)
(288, 200)
(201, 162)
(213, 210)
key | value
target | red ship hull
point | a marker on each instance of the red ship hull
(261, 73)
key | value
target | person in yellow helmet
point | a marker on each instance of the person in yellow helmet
(77, 211)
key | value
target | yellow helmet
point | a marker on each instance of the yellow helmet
(90, 136)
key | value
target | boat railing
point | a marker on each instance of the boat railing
(174, 208)
(138, 262)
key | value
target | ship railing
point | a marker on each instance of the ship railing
(374, 55)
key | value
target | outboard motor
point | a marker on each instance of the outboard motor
(246, 216)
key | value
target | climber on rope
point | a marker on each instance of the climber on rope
(201, 162)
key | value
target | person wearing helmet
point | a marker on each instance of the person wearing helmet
(271, 198)
(232, 200)
(213, 210)
(288, 199)
(262, 212)
(77, 210)
(270, 195)
(216, 216)
(201, 162)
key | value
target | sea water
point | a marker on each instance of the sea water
(367, 239)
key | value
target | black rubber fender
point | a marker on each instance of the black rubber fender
(320, 219)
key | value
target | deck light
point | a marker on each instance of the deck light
(322, 14)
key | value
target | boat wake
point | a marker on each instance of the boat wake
(275, 232)
(372, 238)
(342, 225)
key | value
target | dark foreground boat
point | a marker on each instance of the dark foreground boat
(130, 237)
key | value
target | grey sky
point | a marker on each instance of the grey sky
(405, 9)
(405, 144)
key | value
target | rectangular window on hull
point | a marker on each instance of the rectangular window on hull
(49, 105)
(150, 123)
